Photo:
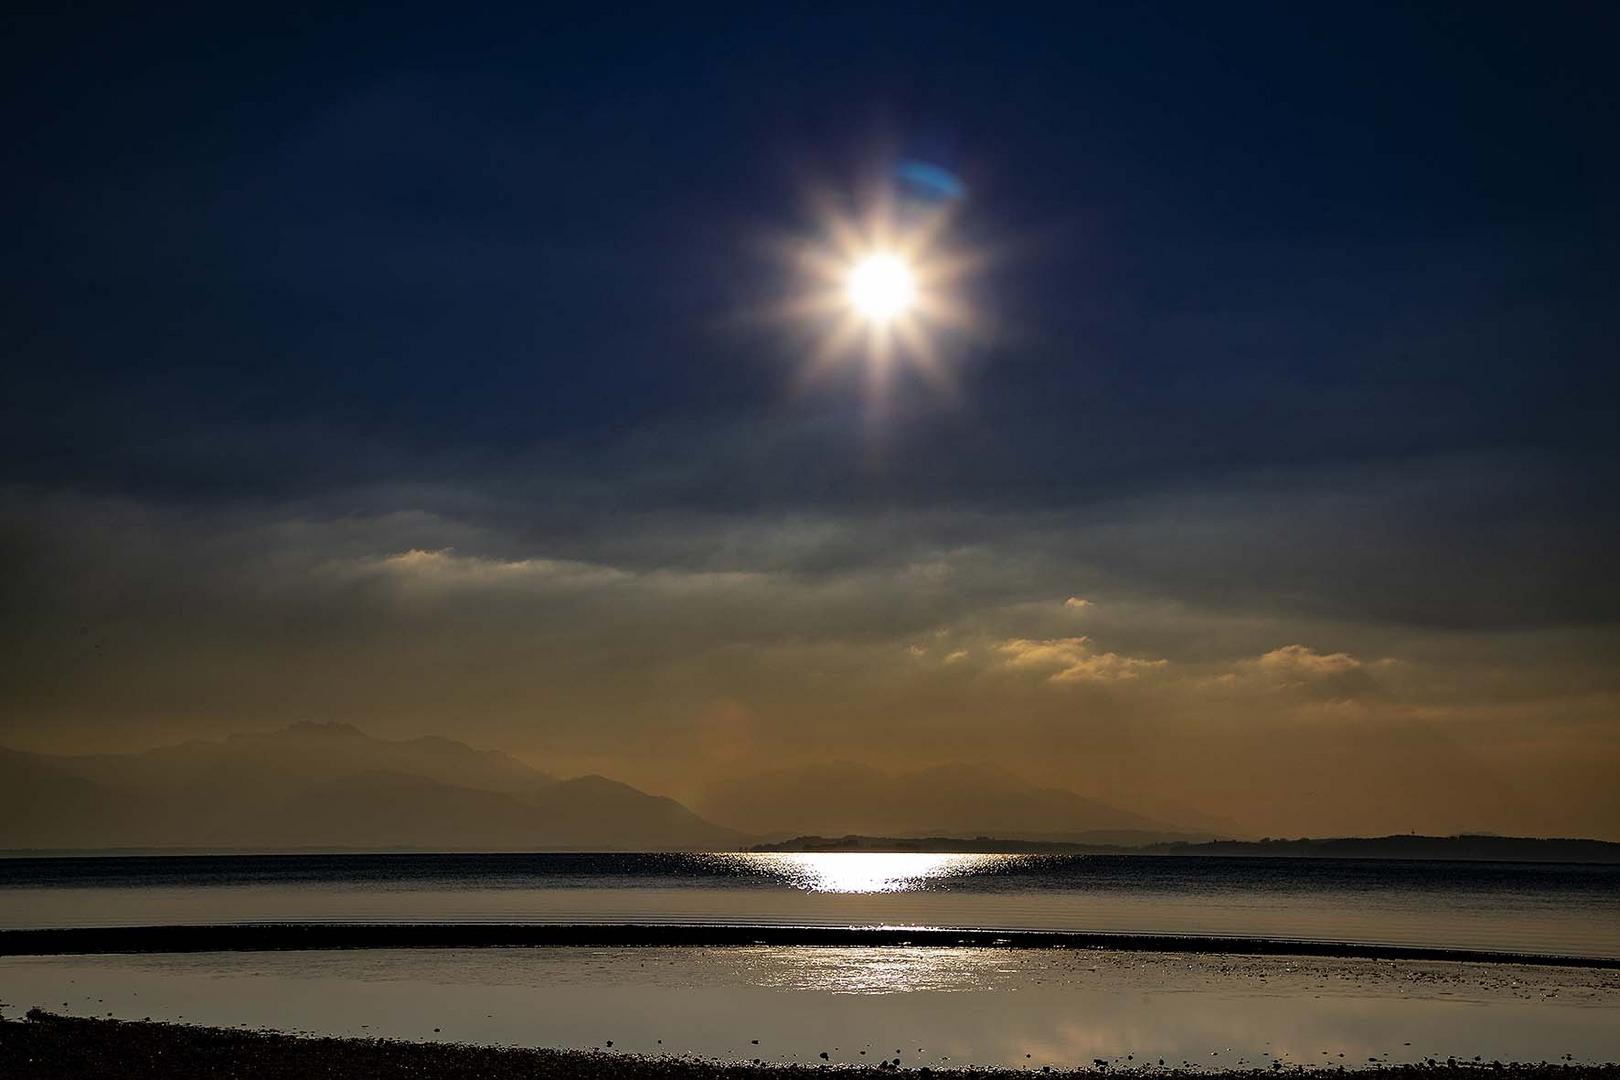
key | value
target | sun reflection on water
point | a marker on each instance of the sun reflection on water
(888, 970)
(869, 871)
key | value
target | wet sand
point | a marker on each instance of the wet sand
(47, 1047)
(788, 1005)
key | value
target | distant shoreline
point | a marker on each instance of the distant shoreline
(286, 937)
(1460, 848)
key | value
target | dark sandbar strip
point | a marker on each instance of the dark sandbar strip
(50, 1047)
(274, 937)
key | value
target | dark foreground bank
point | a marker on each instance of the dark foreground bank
(47, 1047)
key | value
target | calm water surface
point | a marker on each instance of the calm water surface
(925, 1006)
(1520, 907)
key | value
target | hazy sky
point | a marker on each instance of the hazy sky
(402, 369)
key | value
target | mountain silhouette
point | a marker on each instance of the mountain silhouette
(329, 786)
(840, 798)
(309, 752)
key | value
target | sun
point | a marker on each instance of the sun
(881, 287)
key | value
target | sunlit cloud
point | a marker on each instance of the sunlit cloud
(1331, 677)
(445, 569)
(1302, 660)
(1071, 660)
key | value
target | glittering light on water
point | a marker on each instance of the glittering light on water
(869, 871)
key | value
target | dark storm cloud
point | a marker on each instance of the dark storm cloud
(826, 634)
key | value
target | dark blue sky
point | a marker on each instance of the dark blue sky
(1245, 234)
(1297, 312)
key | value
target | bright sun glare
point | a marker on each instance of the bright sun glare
(881, 286)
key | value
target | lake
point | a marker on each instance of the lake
(1531, 908)
(936, 1006)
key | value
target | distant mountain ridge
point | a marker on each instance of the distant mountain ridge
(311, 786)
(314, 786)
(955, 799)
(311, 751)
